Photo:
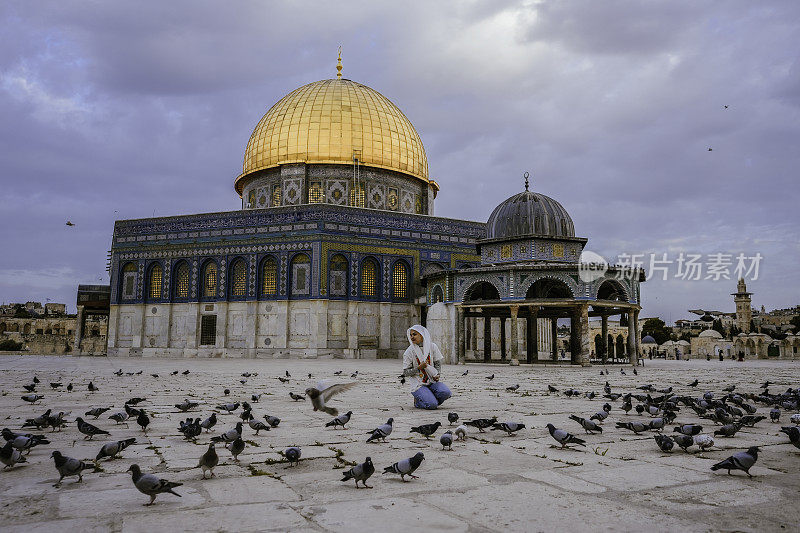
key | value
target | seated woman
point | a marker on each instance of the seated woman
(422, 366)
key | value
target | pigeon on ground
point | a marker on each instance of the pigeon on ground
(795, 419)
(132, 411)
(257, 425)
(209, 422)
(636, 427)
(743, 461)
(509, 427)
(92, 387)
(296, 397)
(143, 420)
(340, 420)
(589, 425)
(360, 472)
(236, 447)
(406, 467)
(452, 418)
(622, 371)
(551, 389)
(96, 412)
(136, 400)
(337, 373)
(208, 460)
(688, 429)
(751, 420)
(664, 442)
(635, 373)
(794, 435)
(226, 392)
(151, 485)
(729, 388)
(55, 385)
(446, 440)
(230, 435)
(185, 372)
(113, 449)
(728, 430)
(67, 466)
(292, 454)
(490, 378)
(10, 456)
(118, 372)
(30, 388)
(704, 441)
(461, 432)
(173, 373)
(513, 388)
(323, 392)
(693, 383)
(684, 441)
(57, 421)
(255, 397)
(89, 430)
(426, 429)
(32, 398)
(247, 414)
(382, 431)
(283, 380)
(354, 374)
(23, 442)
(186, 405)
(564, 437)
(39, 422)
(69, 387)
(465, 372)
(627, 405)
(228, 407)
(272, 420)
(657, 424)
(120, 418)
(481, 423)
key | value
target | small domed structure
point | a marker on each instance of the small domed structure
(527, 214)
(712, 333)
(648, 339)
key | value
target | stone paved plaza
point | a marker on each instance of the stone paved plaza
(491, 482)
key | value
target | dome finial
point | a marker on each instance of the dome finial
(339, 65)
(526, 179)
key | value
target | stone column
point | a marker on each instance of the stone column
(583, 336)
(514, 335)
(638, 334)
(502, 338)
(487, 337)
(604, 335)
(80, 321)
(533, 337)
(460, 336)
(632, 355)
(554, 337)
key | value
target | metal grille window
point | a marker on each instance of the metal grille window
(155, 281)
(129, 281)
(269, 277)
(357, 196)
(210, 281)
(276, 196)
(182, 280)
(400, 281)
(301, 275)
(368, 279)
(208, 330)
(338, 276)
(315, 195)
(239, 278)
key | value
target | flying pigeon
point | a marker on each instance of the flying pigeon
(446, 440)
(406, 467)
(70, 223)
(292, 454)
(564, 437)
(426, 429)
(113, 449)
(67, 466)
(739, 461)
(208, 460)
(382, 431)
(151, 485)
(89, 430)
(323, 392)
(361, 472)
(340, 420)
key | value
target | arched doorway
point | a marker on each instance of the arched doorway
(620, 346)
(548, 288)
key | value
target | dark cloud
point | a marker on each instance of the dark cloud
(125, 110)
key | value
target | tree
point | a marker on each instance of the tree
(656, 328)
(717, 326)
(735, 330)
(795, 322)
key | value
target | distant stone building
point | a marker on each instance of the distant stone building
(743, 306)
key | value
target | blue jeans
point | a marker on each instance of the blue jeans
(431, 396)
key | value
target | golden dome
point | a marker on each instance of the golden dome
(332, 121)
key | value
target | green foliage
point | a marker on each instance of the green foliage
(795, 322)
(10, 345)
(656, 328)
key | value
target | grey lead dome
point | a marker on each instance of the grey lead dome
(529, 213)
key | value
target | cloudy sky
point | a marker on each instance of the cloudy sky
(132, 109)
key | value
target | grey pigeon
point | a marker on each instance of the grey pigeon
(92, 387)
(151, 485)
(452, 418)
(296, 397)
(23, 442)
(743, 461)
(382, 431)
(775, 415)
(704, 441)
(43, 420)
(446, 440)
(426, 429)
(509, 427)
(228, 407)
(113, 449)
(636, 427)
(186, 405)
(657, 424)
(230, 435)
(272, 420)
(564, 437)
(89, 430)
(684, 441)
(406, 467)
(360, 472)
(340, 420)
(9, 456)
(794, 435)
(461, 432)
(664, 442)
(588, 425)
(209, 460)
(323, 392)
(481, 423)
(292, 454)
(32, 398)
(67, 466)
(513, 388)
(120, 418)
(236, 447)
(57, 421)
(257, 425)
(728, 430)
(209, 422)
(688, 429)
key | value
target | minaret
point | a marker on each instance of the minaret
(743, 310)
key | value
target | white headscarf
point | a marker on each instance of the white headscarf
(416, 354)
(420, 352)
